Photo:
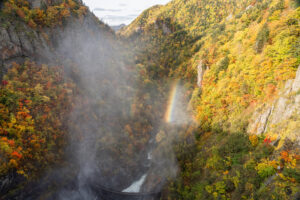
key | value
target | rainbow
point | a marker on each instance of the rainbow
(171, 103)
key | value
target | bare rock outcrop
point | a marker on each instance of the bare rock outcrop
(260, 120)
(288, 103)
(163, 26)
(201, 68)
(36, 3)
(229, 17)
(166, 29)
(281, 118)
(19, 42)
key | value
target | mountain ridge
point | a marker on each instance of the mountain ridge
(238, 60)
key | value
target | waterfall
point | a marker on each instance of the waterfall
(136, 186)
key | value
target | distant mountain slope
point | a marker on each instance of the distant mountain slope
(238, 59)
(233, 41)
(118, 27)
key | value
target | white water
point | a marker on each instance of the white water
(136, 186)
(149, 156)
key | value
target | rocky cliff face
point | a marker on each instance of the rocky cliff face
(20, 42)
(280, 119)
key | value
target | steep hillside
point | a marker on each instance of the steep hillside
(64, 80)
(238, 61)
(215, 81)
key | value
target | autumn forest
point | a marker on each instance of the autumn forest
(195, 99)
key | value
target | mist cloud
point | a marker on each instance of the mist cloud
(101, 150)
(107, 10)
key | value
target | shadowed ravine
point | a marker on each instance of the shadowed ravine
(110, 146)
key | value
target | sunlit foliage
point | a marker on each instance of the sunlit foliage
(250, 49)
(34, 102)
(47, 15)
